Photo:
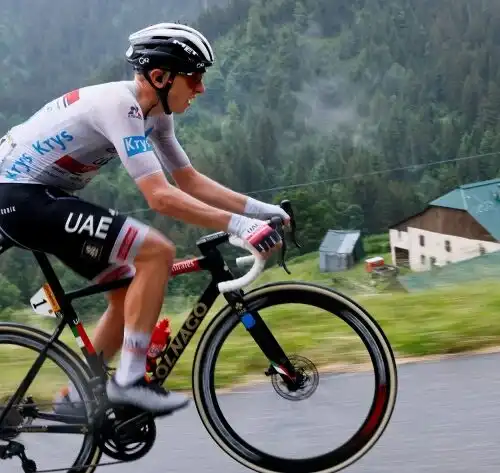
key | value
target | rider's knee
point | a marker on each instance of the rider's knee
(156, 250)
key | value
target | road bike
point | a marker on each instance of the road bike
(125, 433)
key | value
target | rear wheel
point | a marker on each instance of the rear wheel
(19, 347)
(326, 346)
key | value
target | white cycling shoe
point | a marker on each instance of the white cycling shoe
(148, 396)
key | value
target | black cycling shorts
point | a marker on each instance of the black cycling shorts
(97, 243)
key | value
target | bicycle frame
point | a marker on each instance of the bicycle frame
(211, 260)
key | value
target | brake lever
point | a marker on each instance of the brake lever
(286, 205)
(277, 224)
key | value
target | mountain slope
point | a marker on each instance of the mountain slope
(54, 46)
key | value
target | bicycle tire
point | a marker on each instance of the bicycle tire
(76, 370)
(339, 305)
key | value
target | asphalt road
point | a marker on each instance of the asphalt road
(447, 419)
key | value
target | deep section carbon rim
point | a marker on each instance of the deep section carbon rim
(311, 297)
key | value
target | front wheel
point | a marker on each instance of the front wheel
(320, 331)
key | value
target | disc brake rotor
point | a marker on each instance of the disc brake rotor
(306, 382)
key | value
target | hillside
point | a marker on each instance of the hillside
(57, 45)
(312, 100)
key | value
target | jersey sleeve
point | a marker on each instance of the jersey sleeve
(167, 147)
(118, 118)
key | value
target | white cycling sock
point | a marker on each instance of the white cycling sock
(133, 357)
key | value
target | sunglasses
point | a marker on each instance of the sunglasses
(192, 78)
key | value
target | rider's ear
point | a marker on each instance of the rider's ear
(157, 78)
(161, 78)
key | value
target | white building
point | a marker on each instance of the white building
(459, 225)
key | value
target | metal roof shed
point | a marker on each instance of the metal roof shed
(340, 250)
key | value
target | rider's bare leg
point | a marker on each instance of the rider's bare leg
(108, 334)
(143, 298)
(143, 302)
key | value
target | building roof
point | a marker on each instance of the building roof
(466, 195)
(480, 199)
(340, 241)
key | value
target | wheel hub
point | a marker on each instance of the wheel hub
(302, 386)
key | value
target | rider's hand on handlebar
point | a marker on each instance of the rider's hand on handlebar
(258, 233)
(265, 211)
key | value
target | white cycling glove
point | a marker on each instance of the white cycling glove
(257, 232)
(262, 210)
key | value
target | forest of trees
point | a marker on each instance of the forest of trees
(59, 44)
(341, 106)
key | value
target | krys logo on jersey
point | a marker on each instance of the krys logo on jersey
(57, 143)
(137, 144)
(22, 164)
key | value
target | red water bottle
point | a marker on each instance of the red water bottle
(160, 339)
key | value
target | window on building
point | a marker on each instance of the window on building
(447, 246)
(422, 259)
(433, 260)
(422, 240)
(482, 250)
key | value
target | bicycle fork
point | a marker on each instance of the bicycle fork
(263, 337)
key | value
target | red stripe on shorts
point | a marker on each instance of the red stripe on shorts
(127, 242)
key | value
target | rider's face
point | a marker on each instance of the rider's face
(184, 89)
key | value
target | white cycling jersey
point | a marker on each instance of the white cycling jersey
(67, 141)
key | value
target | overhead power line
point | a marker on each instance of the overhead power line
(372, 173)
(356, 176)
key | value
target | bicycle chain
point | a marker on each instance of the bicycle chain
(70, 468)
(76, 468)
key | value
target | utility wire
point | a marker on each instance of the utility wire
(354, 176)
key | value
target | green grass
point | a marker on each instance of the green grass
(306, 268)
(444, 321)
(441, 321)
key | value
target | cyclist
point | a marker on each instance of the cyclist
(58, 150)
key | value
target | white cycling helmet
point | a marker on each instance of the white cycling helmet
(173, 47)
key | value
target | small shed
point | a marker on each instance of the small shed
(340, 250)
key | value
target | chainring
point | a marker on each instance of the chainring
(126, 433)
(306, 384)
